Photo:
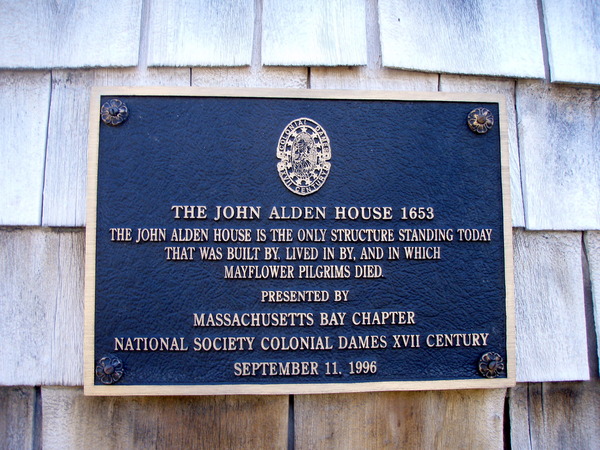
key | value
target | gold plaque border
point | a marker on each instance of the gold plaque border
(300, 388)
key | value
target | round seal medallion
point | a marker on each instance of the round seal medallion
(304, 151)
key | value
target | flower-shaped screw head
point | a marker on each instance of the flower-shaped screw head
(114, 112)
(109, 369)
(480, 120)
(491, 365)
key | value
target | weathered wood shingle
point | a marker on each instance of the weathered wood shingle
(478, 37)
(573, 37)
(372, 78)
(73, 421)
(314, 33)
(47, 34)
(41, 305)
(550, 314)
(559, 145)
(555, 415)
(250, 77)
(17, 417)
(412, 420)
(592, 248)
(25, 97)
(200, 33)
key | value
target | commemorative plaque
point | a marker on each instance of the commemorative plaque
(278, 241)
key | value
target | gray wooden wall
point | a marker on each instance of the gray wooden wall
(543, 55)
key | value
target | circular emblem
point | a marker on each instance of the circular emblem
(304, 151)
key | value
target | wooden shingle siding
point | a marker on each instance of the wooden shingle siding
(72, 421)
(17, 417)
(549, 303)
(461, 83)
(314, 33)
(559, 146)
(66, 159)
(200, 33)
(479, 37)
(256, 77)
(573, 36)
(49, 34)
(555, 415)
(41, 305)
(25, 97)
(411, 420)
(592, 248)
(371, 78)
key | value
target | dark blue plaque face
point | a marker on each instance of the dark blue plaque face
(248, 244)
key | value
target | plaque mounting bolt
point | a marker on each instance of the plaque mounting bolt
(109, 369)
(114, 112)
(491, 365)
(480, 120)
